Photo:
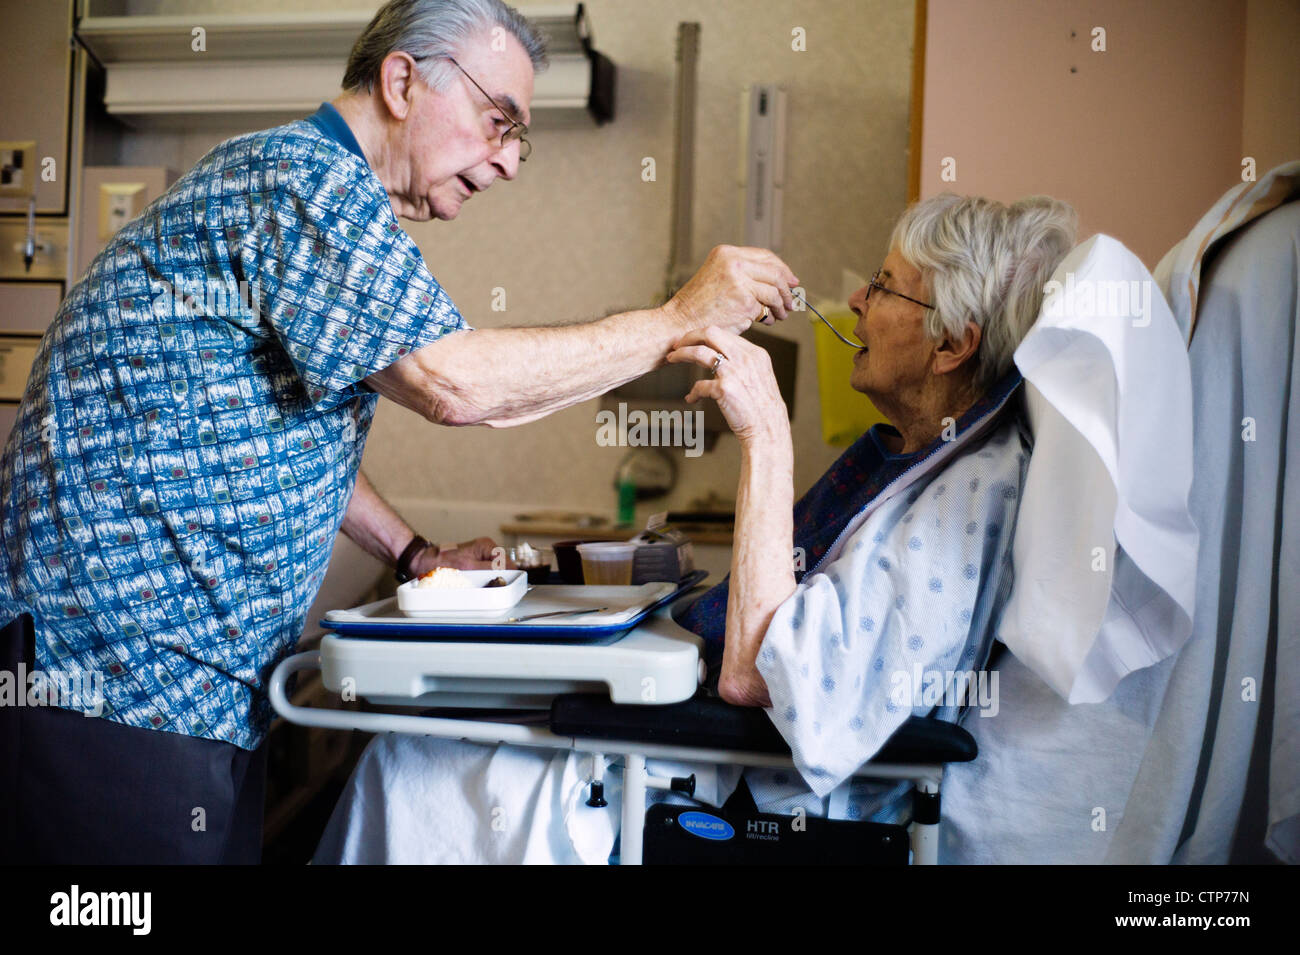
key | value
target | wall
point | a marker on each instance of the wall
(1141, 138)
(1271, 106)
(579, 233)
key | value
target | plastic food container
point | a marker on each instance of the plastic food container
(568, 562)
(477, 600)
(607, 563)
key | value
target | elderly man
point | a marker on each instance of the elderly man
(177, 475)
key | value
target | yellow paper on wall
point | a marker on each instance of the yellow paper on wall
(846, 413)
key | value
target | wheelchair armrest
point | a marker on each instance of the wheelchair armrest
(708, 722)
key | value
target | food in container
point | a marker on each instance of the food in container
(475, 597)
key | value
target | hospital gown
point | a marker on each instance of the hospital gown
(907, 593)
(897, 624)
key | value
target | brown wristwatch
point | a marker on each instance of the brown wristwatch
(413, 550)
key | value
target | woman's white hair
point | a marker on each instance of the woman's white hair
(987, 263)
(434, 30)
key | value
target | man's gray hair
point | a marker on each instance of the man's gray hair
(435, 29)
(985, 262)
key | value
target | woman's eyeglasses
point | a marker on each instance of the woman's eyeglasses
(875, 284)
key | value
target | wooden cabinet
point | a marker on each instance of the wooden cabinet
(35, 106)
(38, 170)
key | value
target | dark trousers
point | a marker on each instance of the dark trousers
(84, 790)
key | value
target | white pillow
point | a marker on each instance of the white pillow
(1105, 547)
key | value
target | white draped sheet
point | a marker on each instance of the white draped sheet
(1197, 758)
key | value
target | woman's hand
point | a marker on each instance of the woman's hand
(467, 555)
(742, 685)
(743, 383)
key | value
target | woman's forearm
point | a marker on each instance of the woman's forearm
(762, 570)
(762, 561)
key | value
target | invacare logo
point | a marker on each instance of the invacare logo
(705, 826)
(102, 908)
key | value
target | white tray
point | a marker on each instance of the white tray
(658, 662)
(624, 604)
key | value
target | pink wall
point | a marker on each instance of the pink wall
(1141, 139)
(1270, 128)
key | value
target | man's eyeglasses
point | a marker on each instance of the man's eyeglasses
(516, 129)
(875, 284)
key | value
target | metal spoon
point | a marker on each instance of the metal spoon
(555, 613)
(855, 345)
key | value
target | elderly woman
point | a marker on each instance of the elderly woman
(906, 541)
(907, 538)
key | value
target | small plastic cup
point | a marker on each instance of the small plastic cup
(608, 563)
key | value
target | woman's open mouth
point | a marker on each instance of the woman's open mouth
(469, 186)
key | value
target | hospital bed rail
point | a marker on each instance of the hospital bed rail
(701, 729)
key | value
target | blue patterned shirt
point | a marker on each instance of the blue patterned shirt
(192, 427)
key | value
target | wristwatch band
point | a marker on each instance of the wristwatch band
(413, 550)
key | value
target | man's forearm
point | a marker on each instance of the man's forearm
(376, 527)
(503, 377)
